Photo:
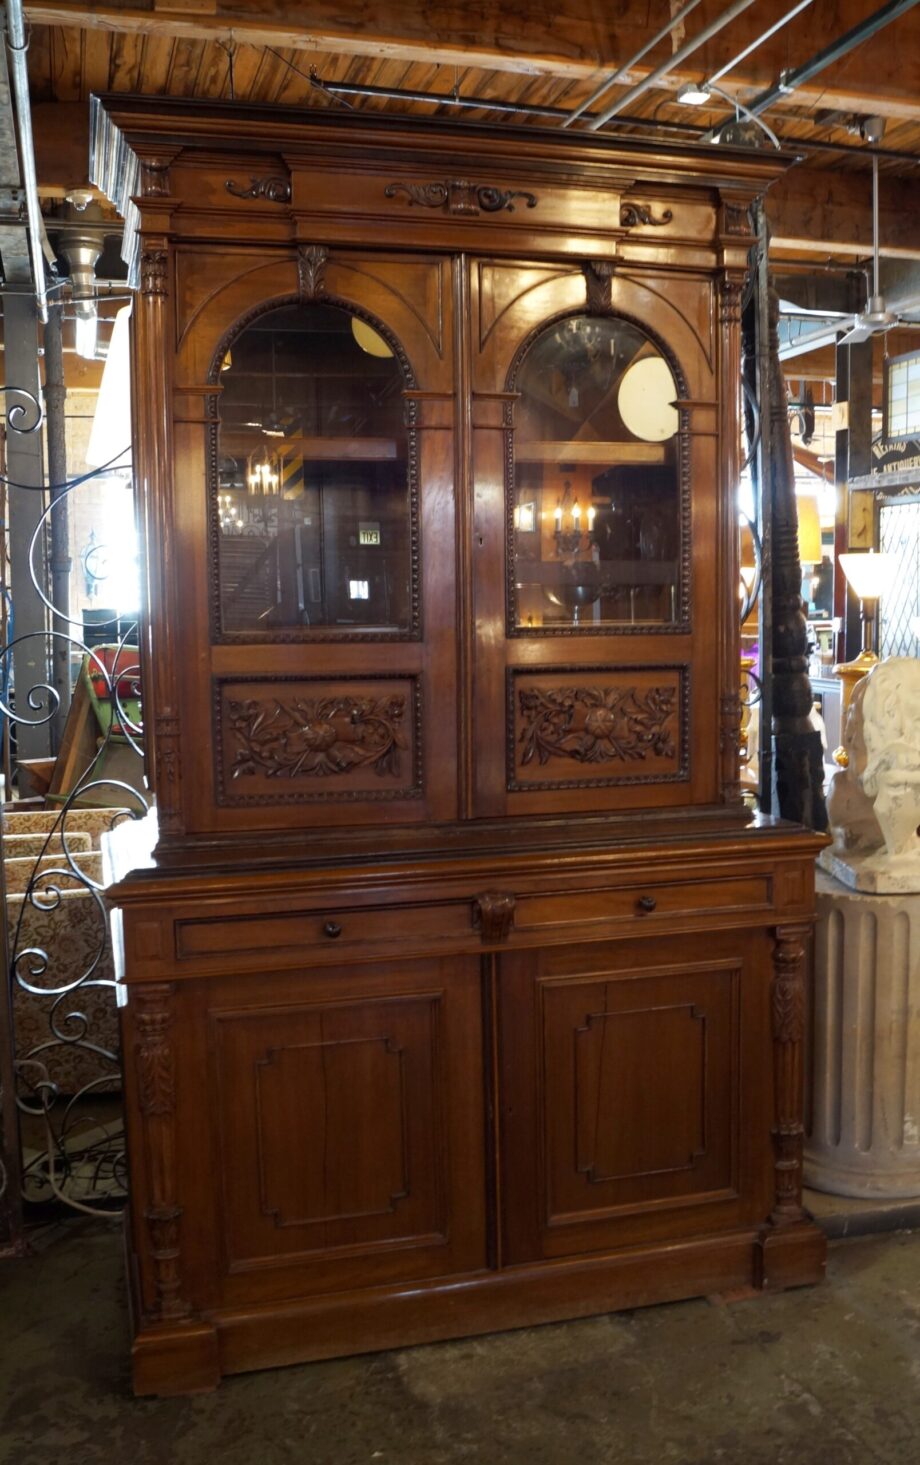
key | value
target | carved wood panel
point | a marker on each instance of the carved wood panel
(582, 727)
(313, 739)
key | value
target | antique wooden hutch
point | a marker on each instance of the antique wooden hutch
(462, 992)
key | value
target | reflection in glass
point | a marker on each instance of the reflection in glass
(596, 479)
(313, 503)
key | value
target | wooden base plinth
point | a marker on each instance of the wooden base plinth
(190, 1358)
(790, 1256)
(177, 1358)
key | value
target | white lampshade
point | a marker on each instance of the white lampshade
(111, 430)
(869, 574)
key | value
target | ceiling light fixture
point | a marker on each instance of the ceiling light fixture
(692, 95)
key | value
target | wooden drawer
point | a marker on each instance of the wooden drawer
(333, 927)
(648, 902)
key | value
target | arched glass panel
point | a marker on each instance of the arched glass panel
(596, 480)
(313, 511)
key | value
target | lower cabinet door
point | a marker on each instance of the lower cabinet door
(635, 1092)
(347, 1126)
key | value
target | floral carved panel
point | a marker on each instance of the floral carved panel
(578, 727)
(303, 739)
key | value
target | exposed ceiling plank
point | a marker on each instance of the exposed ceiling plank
(826, 212)
(568, 40)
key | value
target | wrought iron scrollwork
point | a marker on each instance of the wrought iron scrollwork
(24, 415)
(66, 1058)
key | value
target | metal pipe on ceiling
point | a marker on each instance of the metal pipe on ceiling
(623, 71)
(529, 109)
(680, 55)
(742, 55)
(790, 80)
(18, 46)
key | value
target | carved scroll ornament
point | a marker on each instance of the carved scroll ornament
(596, 724)
(317, 737)
(458, 196)
(274, 189)
(632, 214)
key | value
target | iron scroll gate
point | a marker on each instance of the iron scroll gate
(59, 1025)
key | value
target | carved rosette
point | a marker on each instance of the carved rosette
(154, 1064)
(493, 913)
(787, 1002)
(153, 271)
(311, 270)
(460, 197)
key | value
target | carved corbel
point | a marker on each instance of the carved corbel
(311, 270)
(493, 914)
(599, 285)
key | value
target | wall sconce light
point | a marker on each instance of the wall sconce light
(568, 525)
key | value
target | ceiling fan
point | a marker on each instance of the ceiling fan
(876, 318)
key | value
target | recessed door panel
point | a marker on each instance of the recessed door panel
(623, 1083)
(349, 1127)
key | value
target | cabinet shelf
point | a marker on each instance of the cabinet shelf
(607, 453)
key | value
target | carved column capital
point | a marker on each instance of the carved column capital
(731, 289)
(154, 262)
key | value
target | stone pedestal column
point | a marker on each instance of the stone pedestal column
(864, 1083)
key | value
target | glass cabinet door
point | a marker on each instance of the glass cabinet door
(596, 505)
(314, 518)
(330, 512)
(595, 545)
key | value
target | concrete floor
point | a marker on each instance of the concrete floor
(823, 1376)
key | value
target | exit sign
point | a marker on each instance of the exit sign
(368, 533)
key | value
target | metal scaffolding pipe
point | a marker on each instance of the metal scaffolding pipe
(18, 47)
(686, 50)
(623, 71)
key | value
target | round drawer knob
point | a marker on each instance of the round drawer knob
(647, 903)
(332, 929)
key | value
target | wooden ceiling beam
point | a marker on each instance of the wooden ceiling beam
(825, 212)
(568, 40)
